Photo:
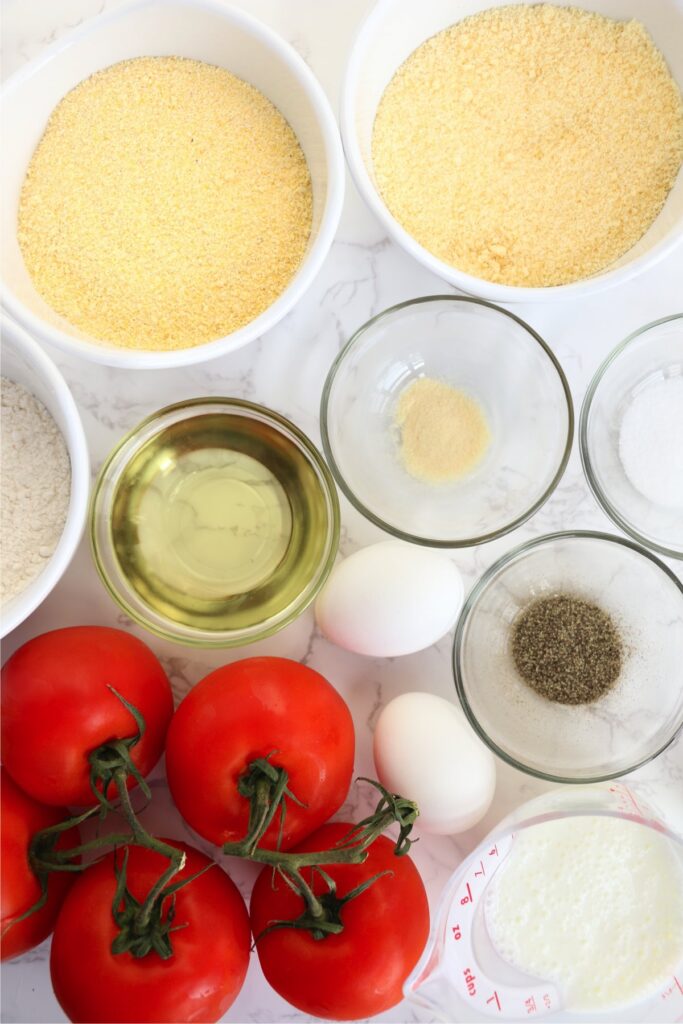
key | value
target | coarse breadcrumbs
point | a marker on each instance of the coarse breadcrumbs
(530, 144)
(443, 431)
(168, 204)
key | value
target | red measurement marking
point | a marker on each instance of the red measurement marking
(625, 797)
(457, 934)
(547, 1001)
(468, 898)
(482, 872)
(493, 852)
(494, 999)
(678, 985)
(632, 799)
(470, 981)
(530, 1004)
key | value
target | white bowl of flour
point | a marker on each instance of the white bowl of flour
(45, 476)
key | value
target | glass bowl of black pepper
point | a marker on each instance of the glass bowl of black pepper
(567, 657)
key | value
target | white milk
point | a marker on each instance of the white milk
(594, 905)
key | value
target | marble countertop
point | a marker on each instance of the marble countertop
(363, 274)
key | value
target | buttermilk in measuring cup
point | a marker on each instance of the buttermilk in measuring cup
(593, 904)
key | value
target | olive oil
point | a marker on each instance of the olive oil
(219, 521)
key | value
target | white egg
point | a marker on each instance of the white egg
(389, 599)
(425, 750)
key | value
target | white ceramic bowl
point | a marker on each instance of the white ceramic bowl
(389, 35)
(24, 361)
(205, 30)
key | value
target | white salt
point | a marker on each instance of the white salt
(651, 442)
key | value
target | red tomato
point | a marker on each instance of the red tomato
(57, 708)
(361, 971)
(20, 818)
(248, 710)
(210, 949)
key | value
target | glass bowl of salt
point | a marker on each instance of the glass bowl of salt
(631, 435)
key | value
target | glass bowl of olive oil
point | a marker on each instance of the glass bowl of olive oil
(214, 523)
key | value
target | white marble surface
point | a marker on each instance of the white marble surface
(363, 274)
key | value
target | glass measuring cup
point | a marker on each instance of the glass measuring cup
(461, 976)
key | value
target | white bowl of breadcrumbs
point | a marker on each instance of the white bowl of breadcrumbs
(173, 180)
(524, 152)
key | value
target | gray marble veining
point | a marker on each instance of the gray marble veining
(285, 369)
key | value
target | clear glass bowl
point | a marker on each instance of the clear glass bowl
(647, 357)
(219, 612)
(630, 724)
(494, 357)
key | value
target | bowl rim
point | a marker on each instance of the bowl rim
(320, 243)
(596, 488)
(18, 608)
(224, 639)
(468, 283)
(377, 520)
(470, 602)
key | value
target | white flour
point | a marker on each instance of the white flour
(35, 485)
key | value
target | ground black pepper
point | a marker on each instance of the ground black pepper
(567, 649)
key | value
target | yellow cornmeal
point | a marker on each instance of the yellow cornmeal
(530, 145)
(167, 204)
(444, 433)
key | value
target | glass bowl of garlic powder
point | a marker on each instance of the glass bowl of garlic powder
(446, 421)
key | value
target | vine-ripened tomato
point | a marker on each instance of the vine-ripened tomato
(197, 983)
(20, 818)
(252, 709)
(361, 971)
(57, 708)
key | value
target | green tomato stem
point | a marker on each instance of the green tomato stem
(111, 766)
(143, 838)
(322, 916)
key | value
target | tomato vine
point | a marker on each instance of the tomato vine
(143, 926)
